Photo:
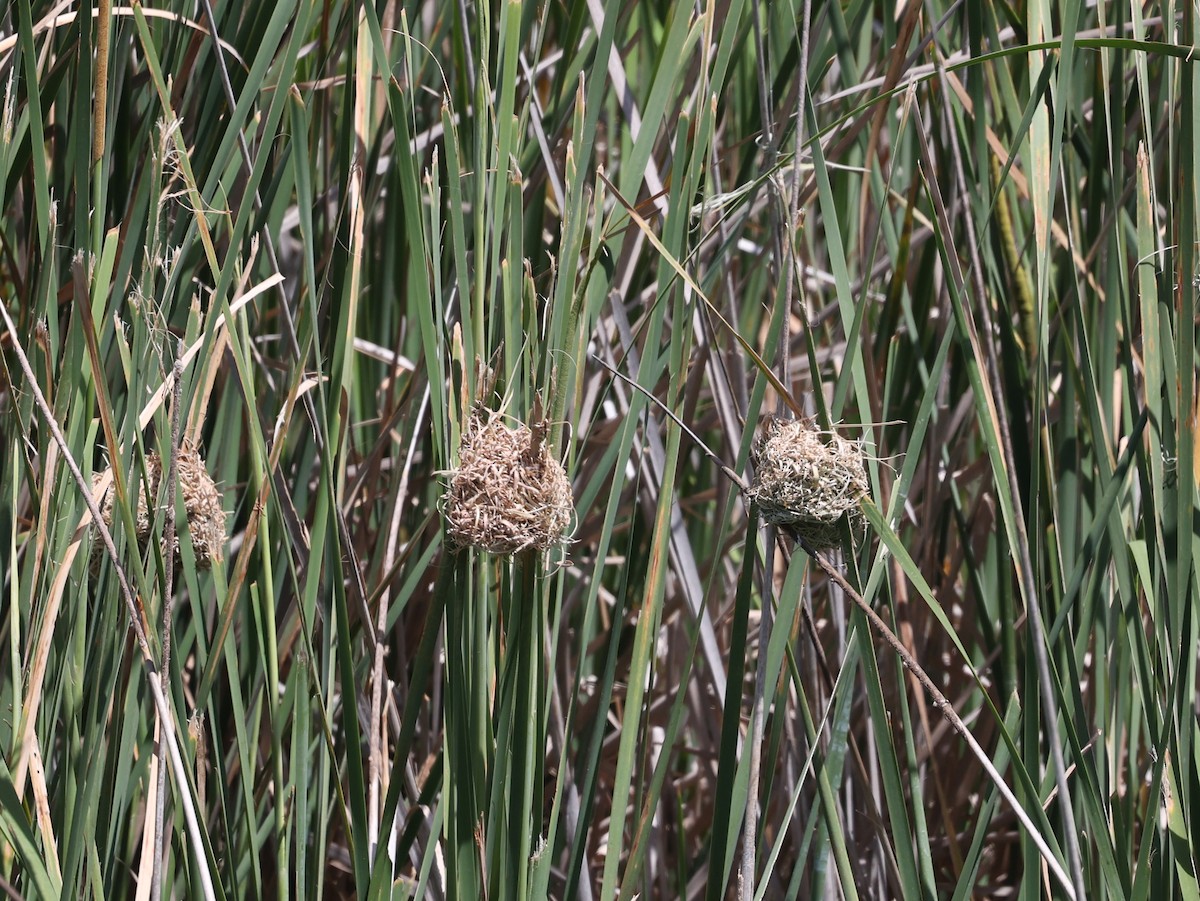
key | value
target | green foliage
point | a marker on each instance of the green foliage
(963, 235)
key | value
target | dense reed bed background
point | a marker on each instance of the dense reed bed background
(307, 240)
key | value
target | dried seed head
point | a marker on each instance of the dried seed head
(508, 494)
(807, 480)
(201, 499)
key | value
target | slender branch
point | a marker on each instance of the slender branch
(699, 442)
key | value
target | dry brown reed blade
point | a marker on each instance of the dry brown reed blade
(201, 499)
(508, 494)
(808, 480)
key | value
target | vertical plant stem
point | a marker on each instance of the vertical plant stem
(786, 214)
(525, 754)
(754, 736)
(753, 746)
(168, 544)
(464, 769)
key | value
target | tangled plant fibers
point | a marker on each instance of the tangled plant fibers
(807, 480)
(201, 499)
(508, 494)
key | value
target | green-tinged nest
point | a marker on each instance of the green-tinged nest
(509, 494)
(201, 499)
(808, 481)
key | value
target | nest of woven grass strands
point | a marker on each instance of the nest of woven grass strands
(201, 499)
(509, 494)
(808, 481)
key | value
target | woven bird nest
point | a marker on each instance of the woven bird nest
(808, 481)
(509, 494)
(201, 499)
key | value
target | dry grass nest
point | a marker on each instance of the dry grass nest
(808, 480)
(201, 499)
(509, 494)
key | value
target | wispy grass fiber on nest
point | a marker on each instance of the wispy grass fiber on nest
(808, 480)
(509, 494)
(201, 499)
